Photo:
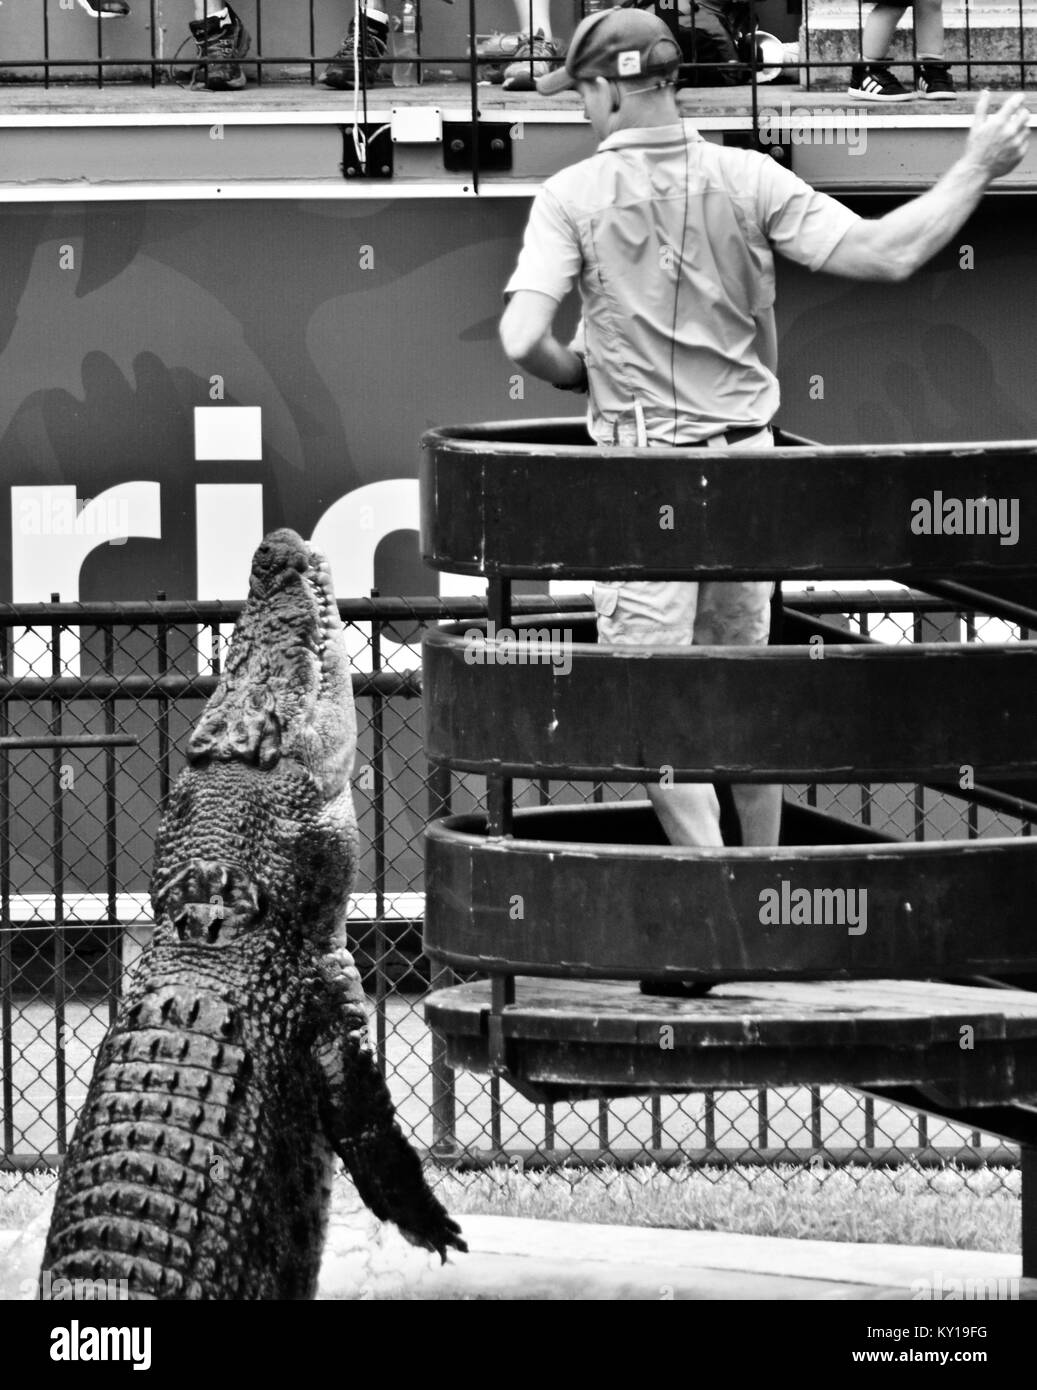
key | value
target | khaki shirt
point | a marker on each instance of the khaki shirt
(670, 239)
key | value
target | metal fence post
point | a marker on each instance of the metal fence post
(58, 867)
(113, 951)
(971, 809)
(6, 925)
(816, 1135)
(46, 45)
(499, 795)
(444, 1095)
(378, 839)
(162, 705)
(1028, 1161)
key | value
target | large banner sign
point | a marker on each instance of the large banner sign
(178, 378)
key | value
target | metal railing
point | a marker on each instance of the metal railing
(65, 43)
(95, 703)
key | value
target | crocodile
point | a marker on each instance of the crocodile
(239, 1062)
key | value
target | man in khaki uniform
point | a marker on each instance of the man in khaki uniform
(670, 240)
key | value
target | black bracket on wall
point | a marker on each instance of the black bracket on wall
(378, 163)
(778, 144)
(492, 152)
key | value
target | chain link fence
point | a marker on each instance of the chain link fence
(97, 704)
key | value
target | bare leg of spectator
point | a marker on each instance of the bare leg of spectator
(536, 48)
(878, 32)
(534, 16)
(929, 28)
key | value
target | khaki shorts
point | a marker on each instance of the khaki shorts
(677, 613)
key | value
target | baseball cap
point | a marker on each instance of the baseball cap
(614, 43)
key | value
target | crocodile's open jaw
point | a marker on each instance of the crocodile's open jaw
(286, 687)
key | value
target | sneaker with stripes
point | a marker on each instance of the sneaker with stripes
(875, 82)
(933, 80)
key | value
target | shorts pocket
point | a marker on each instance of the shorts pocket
(606, 596)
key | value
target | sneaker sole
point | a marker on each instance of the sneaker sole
(872, 96)
(233, 84)
(937, 96)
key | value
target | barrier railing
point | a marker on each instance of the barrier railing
(51, 40)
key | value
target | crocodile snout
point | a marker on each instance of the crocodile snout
(280, 554)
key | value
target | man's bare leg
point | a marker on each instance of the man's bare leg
(759, 811)
(689, 813)
(533, 16)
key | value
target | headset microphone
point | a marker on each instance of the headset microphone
(656, 87)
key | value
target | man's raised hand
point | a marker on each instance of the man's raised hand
(998, 139)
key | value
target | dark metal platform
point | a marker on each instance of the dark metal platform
(595, 892)
(572, 1040)
(484, 511)
(794, 714)
(802, 937)
(820, 710)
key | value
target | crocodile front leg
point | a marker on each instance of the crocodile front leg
(359, 1118)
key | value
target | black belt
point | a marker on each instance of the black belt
(732, 436)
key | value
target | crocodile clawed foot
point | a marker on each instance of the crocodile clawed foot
(444, 1234)
(453, 1240)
